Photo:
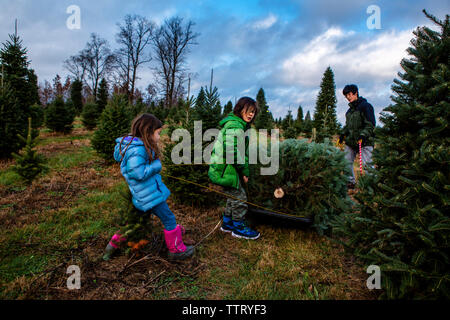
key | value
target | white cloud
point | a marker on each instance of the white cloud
(224, 60)
(377, 59)
(265, 23)
(158, 18)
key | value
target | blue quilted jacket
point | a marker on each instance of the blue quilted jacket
(143, 177)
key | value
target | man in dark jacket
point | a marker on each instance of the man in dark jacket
(359, 126)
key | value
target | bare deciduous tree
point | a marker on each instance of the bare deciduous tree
(134, 36)
(92, 63)
(151, 93)
(171, 43)
(100, 61)
(46, 93)
(77, 66)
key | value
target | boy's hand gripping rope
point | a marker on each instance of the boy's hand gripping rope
(339, 145)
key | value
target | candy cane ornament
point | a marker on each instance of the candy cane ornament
(360, 157)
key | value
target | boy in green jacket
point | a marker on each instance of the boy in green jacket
(232, 173)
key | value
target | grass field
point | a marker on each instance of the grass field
(68, 214)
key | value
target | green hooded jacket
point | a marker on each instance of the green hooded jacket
(231, 136)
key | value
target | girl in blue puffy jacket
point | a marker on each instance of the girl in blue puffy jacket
(138, 155)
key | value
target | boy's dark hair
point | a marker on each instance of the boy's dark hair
(350, 88)
(246, 103)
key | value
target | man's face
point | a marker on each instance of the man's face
(351, 97)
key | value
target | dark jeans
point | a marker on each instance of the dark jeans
(163, 212)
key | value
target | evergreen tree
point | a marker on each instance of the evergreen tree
(290, 133)
(37, 115)
(288, 121)
(174, 114)
(59, 116)
(227, 109)
(289, 126)
(308, 117)
(325, 120)
(207, 108)
(200, 101)
(279, 121)
(307, 124)
(28, 163)
(22, 82)
(218, 110)
(34, 90)
(158, 110)
(90, 115)
(264, 120)
(213, 102)
(313, 177)
(298, 124)
(115, 121)
(102, 96)
(137, 108)
(76, 96)
(299, 118)
(403, 220)
(9, 124)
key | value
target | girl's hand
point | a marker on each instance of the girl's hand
(245, 179)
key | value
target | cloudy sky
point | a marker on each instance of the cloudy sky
(283, 46)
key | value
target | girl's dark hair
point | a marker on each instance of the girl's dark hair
(246, 103)
(143, 127)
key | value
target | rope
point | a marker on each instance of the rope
(230, 196)
(217, 225)
(360, 157)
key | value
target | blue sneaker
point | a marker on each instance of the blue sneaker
(241, 230)
(227, 224)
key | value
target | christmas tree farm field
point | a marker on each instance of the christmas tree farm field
(67, 215)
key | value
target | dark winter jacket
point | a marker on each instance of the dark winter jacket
(359, 123)
(142, 176)
(220, 172)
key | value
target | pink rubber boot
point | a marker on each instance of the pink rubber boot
(113, 245)
(174, 241)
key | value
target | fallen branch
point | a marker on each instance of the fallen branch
(153, 279)
(126, 264)
(45, 272)
(217, 225)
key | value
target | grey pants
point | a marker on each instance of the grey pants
(350, 155)
(236, 209)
